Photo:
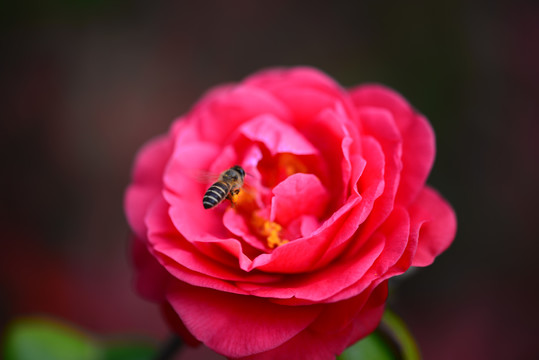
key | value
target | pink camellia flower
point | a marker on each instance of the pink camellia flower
(334, 204)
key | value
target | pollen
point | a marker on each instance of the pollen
(234, 198)
(291, 164)
(271, 231)
(267, 231)
(244, 201)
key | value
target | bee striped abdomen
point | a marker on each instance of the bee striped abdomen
(215, 194)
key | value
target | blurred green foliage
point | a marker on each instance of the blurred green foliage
(44, 339)
(391, 341)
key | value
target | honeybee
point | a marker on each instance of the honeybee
(228, 185)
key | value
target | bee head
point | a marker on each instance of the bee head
(240, 170)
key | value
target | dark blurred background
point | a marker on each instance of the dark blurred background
(84, 83)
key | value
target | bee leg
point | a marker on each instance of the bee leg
(233, 197)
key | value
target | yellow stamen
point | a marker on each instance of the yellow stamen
(244, 202)
(271, 231)
(291, 164)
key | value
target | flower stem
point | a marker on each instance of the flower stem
(396, 333)
(171, 347)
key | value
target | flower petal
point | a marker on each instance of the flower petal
(371, 186)
(340, 145)
(299, 194)
(418, 152)
(418, 137)
(380, 96)
(378, 124)
(184, 193)
(238, 226)
(279, 137)
(436, 223)
(236, 325)
(394, 234)
(225, 112)
(176, 324)
(305, 91)
(323, 284)
(186, 262)
(147, 181)
(285, 260)
(321, 341)
(203, 228)
(150, 277)
(330, 239)
(299, 77)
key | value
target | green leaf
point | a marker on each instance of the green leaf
(390, 341)
(40, 339)
(373, 346)
(129, 351)
(44, 339)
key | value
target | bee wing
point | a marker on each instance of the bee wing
(202, 176)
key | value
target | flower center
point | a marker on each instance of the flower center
(291, 164)
(275, 169)
(269, 231)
